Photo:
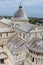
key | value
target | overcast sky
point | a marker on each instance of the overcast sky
(31, 7)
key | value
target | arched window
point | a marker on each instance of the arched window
(22, 63)
(42, 37)
(23, 35)
(2, 61)
(33, 59)
(2, 46)
(0, 35)
(6, 34)
(20, 33)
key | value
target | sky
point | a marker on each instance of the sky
(33, 8)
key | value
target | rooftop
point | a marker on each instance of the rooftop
(6, 21)
(37, 46)
(26, 27)
(5, 30)
(16, 44)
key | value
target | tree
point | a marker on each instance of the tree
(33, 21)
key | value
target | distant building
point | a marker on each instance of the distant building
(20, 15)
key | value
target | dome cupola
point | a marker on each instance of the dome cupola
(20, 14)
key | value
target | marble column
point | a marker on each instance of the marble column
(34, 60)
(1, 35)
(6, 34)
(35, 34)
(40, 62)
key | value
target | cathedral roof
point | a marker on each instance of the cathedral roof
(26, 27)
(16, 44)
(6, 21)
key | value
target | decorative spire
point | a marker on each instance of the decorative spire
(20, 6)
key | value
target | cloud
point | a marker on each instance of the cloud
(7, 3)
(10, 3)
(32, 2)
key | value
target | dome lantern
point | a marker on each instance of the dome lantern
(20, 6)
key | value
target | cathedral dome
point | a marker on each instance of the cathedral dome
(20, 13)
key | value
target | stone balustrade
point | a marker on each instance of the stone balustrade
(5, 39)
(20, 58)
(38, 60)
